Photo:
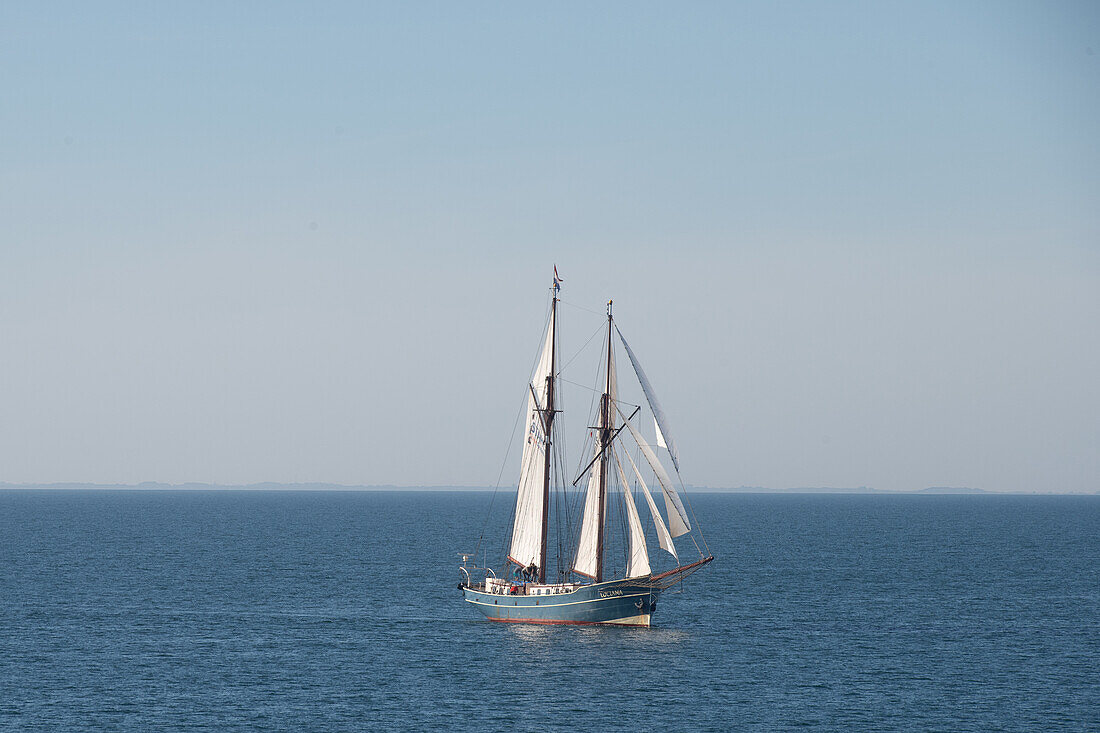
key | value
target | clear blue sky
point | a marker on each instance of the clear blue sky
(854, 243)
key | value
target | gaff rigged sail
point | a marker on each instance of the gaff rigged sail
(588, 550)
(526, 545)
(585, 562)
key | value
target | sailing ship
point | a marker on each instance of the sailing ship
(589, 588)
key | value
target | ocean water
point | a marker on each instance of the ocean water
(338, 611)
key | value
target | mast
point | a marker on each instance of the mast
(605, 444)
(548, 419)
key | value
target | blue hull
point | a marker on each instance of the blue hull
(615, 602)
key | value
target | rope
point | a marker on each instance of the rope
(581, 307)
(694, 521)
(582, 348)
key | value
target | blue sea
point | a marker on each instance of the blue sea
(245, 610)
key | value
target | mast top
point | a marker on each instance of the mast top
(609, 307)
(557, 281)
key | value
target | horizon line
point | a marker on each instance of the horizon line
(459, 488)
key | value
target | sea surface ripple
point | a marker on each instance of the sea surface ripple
(237, 610)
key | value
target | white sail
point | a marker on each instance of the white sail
(664, 437)
(587, 550)
(677, 515)
(585, 563)
(526, 546)
(660, 436)
(664, 539)
(638, 557)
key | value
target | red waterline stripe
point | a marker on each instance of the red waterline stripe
(556, 622)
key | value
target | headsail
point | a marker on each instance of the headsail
(664, 539)
(664, 437)
(677, 515)
(637, 563)
(526, 546)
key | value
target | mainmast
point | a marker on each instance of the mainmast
(548, 419)
(605, 450)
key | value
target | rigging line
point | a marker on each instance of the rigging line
(578, 384)
(555, 508)
(500, 475)
(565, 537)
(591, 408)
(600, 452)
(582, 348)
(574, 499)
(589, 448)
(693, 519)
(557, 512)
(561, 445)
(624, 533)
(589, 438)
(580, 307)
(597, 391)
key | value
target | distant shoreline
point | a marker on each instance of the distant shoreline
(275, 486)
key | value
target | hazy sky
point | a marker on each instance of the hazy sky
(853, 243)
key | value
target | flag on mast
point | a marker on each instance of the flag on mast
(557, 280)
